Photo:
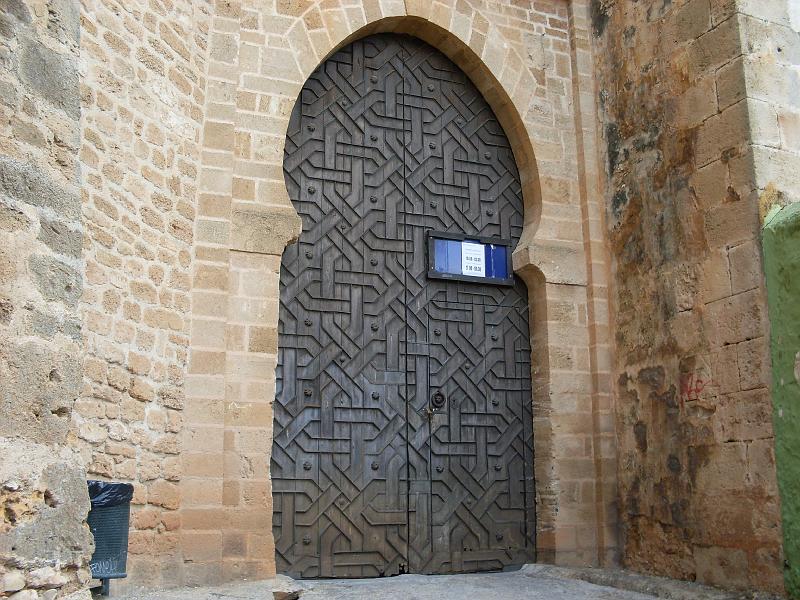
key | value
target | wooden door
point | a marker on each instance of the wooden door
(388, 141)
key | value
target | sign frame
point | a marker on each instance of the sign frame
(432, 235)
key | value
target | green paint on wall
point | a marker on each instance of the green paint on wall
(781, 238)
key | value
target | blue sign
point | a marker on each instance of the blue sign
(469, 259)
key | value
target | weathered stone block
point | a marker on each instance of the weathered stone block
(60, 237)
(691, 20)
(265, 231)
(50, 75)
(26, 183)
(38, 385)
(722, 566)
(56, 281)
(44, 490)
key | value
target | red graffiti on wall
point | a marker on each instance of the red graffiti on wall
(692, 385)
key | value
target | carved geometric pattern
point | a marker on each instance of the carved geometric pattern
(389, 139)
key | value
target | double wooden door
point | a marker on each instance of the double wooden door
(390, 140)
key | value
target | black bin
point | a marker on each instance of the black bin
(108, 520)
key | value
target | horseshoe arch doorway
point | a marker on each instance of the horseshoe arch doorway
(402, 422)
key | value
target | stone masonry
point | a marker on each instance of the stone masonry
(44, 543)
(142, 95)
(532, 61)
(697, 126)
(143, 215)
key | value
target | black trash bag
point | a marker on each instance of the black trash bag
(107, 493)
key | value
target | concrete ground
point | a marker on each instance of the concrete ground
(531, 582)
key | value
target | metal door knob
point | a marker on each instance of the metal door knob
(438, 400)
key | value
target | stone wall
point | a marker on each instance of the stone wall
(532, 61)
(140, 329)
(45, 544)
(142, 92)
(686, 138)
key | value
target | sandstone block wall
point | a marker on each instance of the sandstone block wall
(44, 542)
(689, 137)
(138, 305)
(142, 96)
(533, 63)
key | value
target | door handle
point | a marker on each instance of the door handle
(438, 400)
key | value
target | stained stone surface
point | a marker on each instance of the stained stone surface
(530, 582)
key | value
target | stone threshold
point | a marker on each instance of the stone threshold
(546, 581)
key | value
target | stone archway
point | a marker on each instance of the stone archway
(245, 220)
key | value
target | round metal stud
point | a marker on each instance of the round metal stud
(487, 155)
(437, 332)
(432, 145)
(495, 402)
(431, 87)
(312, 189)
(374, 465)
(307, 322)
(307, 466)
(373, 78)
(494, 337)
(434, 204)
(373, 137)
(497, 468)
(373, 199)
(374, 327)
(306, 539)
(311, 127)
(342, 226)
(373, 261)
(439, 469)
(309, 254)
(490, 213)
(375, 395)
(306, 392)
(343, 103)
(342, 359)
(459, 122)
(498, 536)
